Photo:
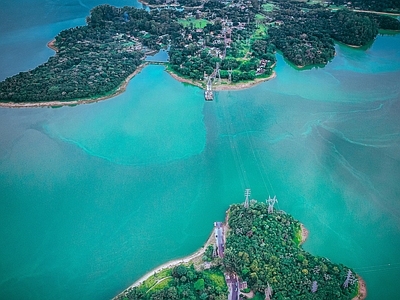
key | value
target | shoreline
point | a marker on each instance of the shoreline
(120, 89)
(145, 3)
(170, 264)
(304, 233)
(362, 289)
(223, 87)
(51, 45)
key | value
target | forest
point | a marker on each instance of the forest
(240, 37)
(371, 5)
(264, 250)
(306, 36)
(93, 60)
(179, 283)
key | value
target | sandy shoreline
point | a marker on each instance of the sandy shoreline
(170, 264)
(185, 80)
(362, 289)
(187, 259)
(304, 233)
(118, 91)
(224, 87)
(361, 295)
(51, 45)
(122, 88)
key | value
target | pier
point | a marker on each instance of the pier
(208, 93)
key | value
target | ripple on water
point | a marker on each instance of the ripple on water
(141, 126)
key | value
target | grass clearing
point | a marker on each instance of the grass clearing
(268, 7)
(162, 284)
(152, 280)
(259, 17)
(196, 23)
(261, 32)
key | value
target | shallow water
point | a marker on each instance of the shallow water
(94, 196)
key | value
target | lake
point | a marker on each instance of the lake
(94, 196)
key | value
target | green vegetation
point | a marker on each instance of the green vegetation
(193, 23)
(370, 5)
(268, 7)
(307, 37)
(93, 61)
(181, 282)
(263, 248)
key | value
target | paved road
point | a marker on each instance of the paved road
(219, 235)
(233, 285)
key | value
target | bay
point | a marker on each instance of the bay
(93, 196)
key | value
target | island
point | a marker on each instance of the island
(255, 254)
(213, 44)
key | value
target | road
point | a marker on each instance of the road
(233, 286)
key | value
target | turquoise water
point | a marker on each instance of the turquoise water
(93, 196)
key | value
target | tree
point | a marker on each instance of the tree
(179, 271)
(199, 284)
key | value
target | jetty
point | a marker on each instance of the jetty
(208, 93)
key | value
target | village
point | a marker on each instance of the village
(215, 40)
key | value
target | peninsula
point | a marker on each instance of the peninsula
(257, 253)
(226, 44)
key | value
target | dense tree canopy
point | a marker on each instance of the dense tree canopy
(373, 5)
(305, 37)
(94, 60)
(180, 283)
(263, 249)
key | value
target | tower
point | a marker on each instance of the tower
(314, 287)
(268, 292)
(247, 193)
(349, 279)
(217, 72)
(271, 202)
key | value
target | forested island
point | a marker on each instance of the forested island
(232, 41)
(263, 258)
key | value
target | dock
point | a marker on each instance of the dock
(208, 93)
